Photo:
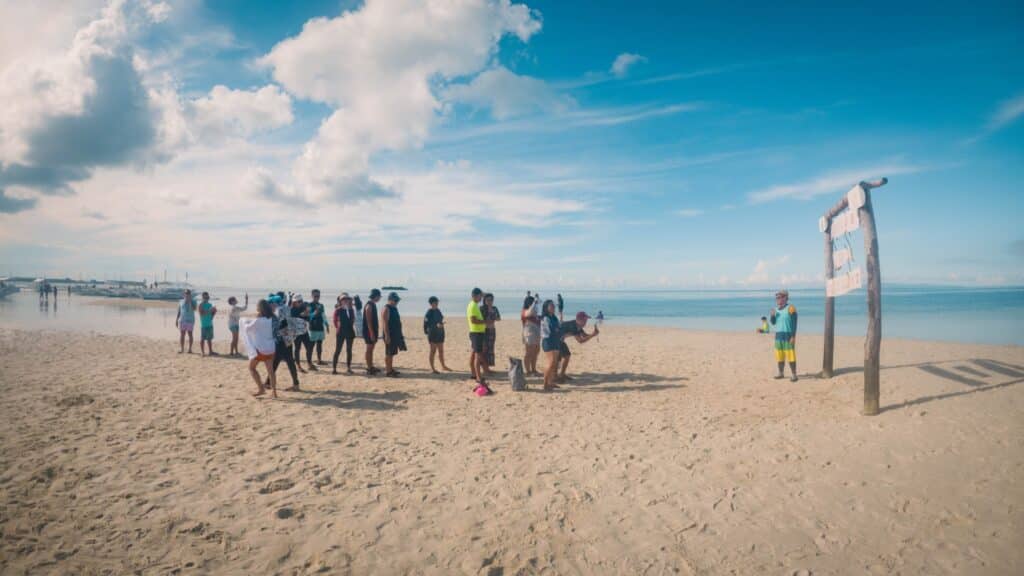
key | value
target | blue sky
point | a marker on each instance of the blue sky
(596, 144)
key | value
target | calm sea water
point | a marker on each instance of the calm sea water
(989, 315)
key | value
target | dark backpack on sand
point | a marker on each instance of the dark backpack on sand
(516, 376)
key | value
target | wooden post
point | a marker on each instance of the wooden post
(830, 309)
(873, 342)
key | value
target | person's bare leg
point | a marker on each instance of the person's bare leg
(440, 352)
(260, 391)
(433, 352)
(189, 341)
(472, 365)
(181, 342)
(273, 378)
(565, 366)
(369, 357)
(388, 363)
(549, 373)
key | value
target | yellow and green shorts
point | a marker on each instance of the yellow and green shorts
(785, 351)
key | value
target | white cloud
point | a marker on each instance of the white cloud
(763, 270)
(623, 62)
(829, 183)
(508, 94)
(1005, 114)
(379, 66)
(70, 109)
(689, 212)
(241, 112)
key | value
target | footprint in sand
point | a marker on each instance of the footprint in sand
(277, 486)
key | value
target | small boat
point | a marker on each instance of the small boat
(171, 291)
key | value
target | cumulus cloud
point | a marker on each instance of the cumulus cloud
(89, 105)
(380, 67)
(623, 62)
(508, 94)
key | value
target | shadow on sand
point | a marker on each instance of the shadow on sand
(980, 374)
(352, 400)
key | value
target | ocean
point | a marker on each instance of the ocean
(979, 315)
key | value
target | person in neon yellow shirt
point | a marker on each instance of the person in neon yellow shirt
(477, 335)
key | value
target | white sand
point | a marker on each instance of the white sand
(673, 452)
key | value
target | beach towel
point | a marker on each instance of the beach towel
(516, 376)
(258, 336)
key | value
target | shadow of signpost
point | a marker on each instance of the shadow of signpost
(967, 376)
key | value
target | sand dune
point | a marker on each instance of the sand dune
(672, 453)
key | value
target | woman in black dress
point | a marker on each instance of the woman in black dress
(394, 341)
(344, 330)
(433, 327)
(371, 329)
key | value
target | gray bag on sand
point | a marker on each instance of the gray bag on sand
(516, 376)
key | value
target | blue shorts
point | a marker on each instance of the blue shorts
(316, 336)
(207, 333)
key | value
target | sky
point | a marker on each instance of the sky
(443, 143)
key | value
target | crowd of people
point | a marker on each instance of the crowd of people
(286, 328)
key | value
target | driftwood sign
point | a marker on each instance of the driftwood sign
(852, 212)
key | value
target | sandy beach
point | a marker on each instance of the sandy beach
(672, 452)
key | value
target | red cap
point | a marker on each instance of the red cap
(582, 317)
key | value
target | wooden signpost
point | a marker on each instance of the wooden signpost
(854, 211)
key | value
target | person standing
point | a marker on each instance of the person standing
(531, 336)
(358, 306)
(283, 339)
(259, 336)
(234, 317)
(783, 318)
(394, 341)
(318, 329)
(345, 331)
(550, 342)
(477, 335)
(433, 327)
(298, 309)
(371, 329)
(185, 322)
(206, 313)
(491, 316)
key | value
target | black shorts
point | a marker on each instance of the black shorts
(391, 348)
(368, 340)
(563, 350)
(477, 340)
(436, 336)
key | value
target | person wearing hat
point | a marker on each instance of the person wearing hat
(573, 328)
(783, 317)
(371, 329)
(318, 329)
(394, 341)
(344, 330)
(282, 348)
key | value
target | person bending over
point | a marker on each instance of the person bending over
(573, 328)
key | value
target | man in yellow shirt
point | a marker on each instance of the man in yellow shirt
(477, 336)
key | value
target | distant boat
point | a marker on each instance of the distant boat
(7, 290)
(399, 288)
(170, 291)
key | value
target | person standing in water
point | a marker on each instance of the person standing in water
(371, 329)
(783, 317)
(206, 313)
(318, 328)
(394, 341)
(344, 330)
(433, 327)
(234, 317)
(185, 322)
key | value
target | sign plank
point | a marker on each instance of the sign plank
(841, 257)
(843, 284)
(844, 222)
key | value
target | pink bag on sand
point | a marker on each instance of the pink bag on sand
(481, 390)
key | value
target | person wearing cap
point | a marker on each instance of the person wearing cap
(394, 341)
(573, 328)
(299, 310)
(371, 329)
(344, 330)
(477, 336)
(783, 318)
(282, 348)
